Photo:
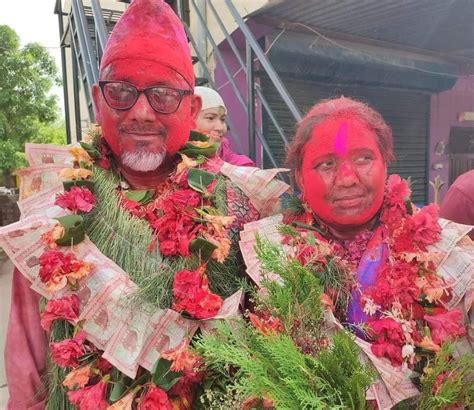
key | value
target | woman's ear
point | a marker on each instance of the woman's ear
(299, 179)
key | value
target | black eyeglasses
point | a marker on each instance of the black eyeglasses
(122, 96)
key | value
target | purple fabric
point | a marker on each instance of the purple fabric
(373, 257)
(231, 157)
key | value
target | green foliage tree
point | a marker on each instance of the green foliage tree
(27, 108)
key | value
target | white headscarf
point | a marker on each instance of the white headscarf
(210, 98)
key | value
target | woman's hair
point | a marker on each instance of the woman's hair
(345, 108)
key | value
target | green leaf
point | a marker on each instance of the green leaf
(205, 248)
(199, 180)
(73, 230)
(93, 152)
(192, 151)
(79, 183)
(88, 357)
(163, 376)
(117, 390)
(198, 136)
(141, 196)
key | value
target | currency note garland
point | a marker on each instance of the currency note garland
(409, 322)
(182, 220)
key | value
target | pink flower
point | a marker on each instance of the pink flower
(76, 199)
(154, 399)
(90, 398)
(425, 226)
(446, 326)
(66, 353)
(66, 308)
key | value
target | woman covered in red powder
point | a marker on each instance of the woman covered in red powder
(401, 287)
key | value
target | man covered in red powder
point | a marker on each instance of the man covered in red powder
(146, 108)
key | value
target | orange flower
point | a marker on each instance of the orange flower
(219, 223)
(81, 155)
(49, 238)
(183, 360)
(266, 326)
(327, 302)
(78, 378)
(79, 269)
(200, 144)
(428, 344)
(75, 173)
(185, 164)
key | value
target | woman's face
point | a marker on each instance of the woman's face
(343, 173)
(212, 121)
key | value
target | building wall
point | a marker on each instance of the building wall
(444, 111)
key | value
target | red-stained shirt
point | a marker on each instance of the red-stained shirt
(25, 348)
(458, 203)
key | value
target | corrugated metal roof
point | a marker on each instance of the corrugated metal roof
(439, 25)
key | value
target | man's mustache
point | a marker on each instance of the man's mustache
(143, 129)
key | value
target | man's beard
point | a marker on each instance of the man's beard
(143, 161)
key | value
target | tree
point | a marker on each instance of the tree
(27, 75)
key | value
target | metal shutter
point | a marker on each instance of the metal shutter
(406, 111)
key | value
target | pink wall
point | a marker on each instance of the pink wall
(444, 110)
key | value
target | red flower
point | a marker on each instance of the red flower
(66, 353)
(66, 308)
(446, 326)
(90, 398)
(389, 340)
(154, 399)
(192, 295)
(54, 263)
(426, 227)
(76, 199)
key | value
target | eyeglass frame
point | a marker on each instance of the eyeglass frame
(142, 90)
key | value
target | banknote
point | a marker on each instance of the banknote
(107, 310)
(458, 272)
(38, 178)
(42, 203)
(451, 234)
(259, 185)
(21, 242)
(38, 154)
(125, 347)
(169, 330)
(271, 220)
(396, 379)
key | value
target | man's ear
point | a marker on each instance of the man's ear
(196, 104)
(96, 96)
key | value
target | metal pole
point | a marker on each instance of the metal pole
(89, 59)
(264, 61)
(75, 82)
(58, 10)
(250, 101)
(99, 24)
(260, 95)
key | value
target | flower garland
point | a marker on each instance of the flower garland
(408, 322)
(183, 219)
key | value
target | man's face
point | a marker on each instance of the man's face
(141, 138)
(343, 173)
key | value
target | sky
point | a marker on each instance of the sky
(35, 21)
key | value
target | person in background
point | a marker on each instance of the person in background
(211, 120)
(458, 203)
